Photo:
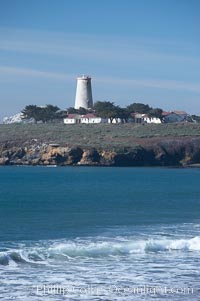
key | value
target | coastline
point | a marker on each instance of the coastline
(176, 152)
(174, 145)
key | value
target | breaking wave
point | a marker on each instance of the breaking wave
(55, 252)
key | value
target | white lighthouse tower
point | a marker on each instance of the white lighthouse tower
(83, 93)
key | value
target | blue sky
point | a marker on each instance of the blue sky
(135, 50)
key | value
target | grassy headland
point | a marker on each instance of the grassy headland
(100, 144)
(97, 135)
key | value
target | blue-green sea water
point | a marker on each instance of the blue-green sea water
(82, 233)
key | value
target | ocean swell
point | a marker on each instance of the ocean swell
(56, 252)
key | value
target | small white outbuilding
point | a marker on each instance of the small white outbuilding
(72, 119)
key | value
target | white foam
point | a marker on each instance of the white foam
(122, 248)
(66, 250)
(99, 261)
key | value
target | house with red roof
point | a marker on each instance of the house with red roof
(144, 118)
(85, 119)
(92, 118)
(175, 116)
(72, 119)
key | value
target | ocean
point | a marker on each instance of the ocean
(95, 233)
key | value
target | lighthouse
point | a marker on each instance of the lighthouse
(83, 93)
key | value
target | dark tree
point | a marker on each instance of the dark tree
(155, 113)
(30, 111)
(72, 110)
(123, 114)
(43, 114)
(80, 111)
(138, 108)
(106, 109)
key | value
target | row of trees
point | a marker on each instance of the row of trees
(110, 110)
(104, 109)
(107, 109)
(45, 114)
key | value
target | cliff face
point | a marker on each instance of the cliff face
(179, 151)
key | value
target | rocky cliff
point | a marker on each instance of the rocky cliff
(178, 151)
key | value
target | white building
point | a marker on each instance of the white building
(144, 118)
(137, 117)
(84, 119)
(92, 118)
(148, 119)
(83, 93)
(72, 119)
(115, 120)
